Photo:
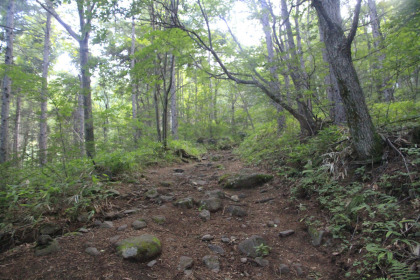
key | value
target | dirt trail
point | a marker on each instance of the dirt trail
(181, 233)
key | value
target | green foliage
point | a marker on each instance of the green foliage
(262, 250)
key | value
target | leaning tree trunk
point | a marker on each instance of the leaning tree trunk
(365, 140)
(7, 84)
(43, 120)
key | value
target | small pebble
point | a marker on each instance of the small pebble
(244, 260)
(152, 263)
(207, 237)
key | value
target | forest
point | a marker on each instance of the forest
(208, 139)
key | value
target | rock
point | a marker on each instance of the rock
(204, 215)
(107, 224)
(166, 198)
(217, 249)
(114, 239)
(122, 227)
(113, 215)
(244, 181)
(83, 217)
(141, 248)
(225, 239)
(92, 251)
(214, 193)
(152, 193)
(236, 211)
(298, 268)
(83, 230)
(49, 229)
(151, 263)
(212, 262)
(284, 269)
(271, 224)
(316, 236)
(139, 224)
(159, 219)
(235, 198)
(286, 233)
(212, 204)
(185, 263)
(185, 203)
(47, 249)
(244, 260)
(261, 261)
(44, 240)
(131, 211)
(165, 184)
(207, 237)
(179, 170)
(97, 223)
(249, 246)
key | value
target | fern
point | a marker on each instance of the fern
(401, 271)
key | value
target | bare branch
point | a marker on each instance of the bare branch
(353, 29)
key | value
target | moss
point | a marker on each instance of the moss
(141, 248)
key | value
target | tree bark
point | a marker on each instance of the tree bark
(365, 140)
(134, 93)
(7, 84)
(174, 109)
(18, 122)
(43, 120)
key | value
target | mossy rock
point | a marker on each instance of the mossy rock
(47, 249)
(141, 248)
(244, 181)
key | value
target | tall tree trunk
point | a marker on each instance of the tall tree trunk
(136, 132)
(18, 122)
(383, 80)
(275, 82)
(156, 103)
(7, 83)
(174, 109)
(43, 120)
(80, 118)
(337, 113)
(365, 140)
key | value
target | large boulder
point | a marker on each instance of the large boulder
(244, 181)
(141, 248)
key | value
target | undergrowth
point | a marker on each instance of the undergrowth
(373, 210)
(65, 189)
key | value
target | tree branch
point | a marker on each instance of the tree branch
(353, 29)
(58, 18)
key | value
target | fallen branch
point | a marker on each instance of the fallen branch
(399, 152)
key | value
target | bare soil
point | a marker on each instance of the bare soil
(181, 233)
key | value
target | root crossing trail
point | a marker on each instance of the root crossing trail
(91, 253)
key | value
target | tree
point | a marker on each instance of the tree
(365, 139)
(86, 10)
(7, 83)
(43, 120)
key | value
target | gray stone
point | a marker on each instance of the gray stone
(201, 182)
(207, 237)
(217, 249)
(139, 224)
(152, 193)
(249, 246)
(131, 211)
(212, 262)
(97, 223)
(49, 229)
(244, 260)
(214, 193)
(47, 249)
(185, 203)
(204, 215)
(122, 227)
(236, 211)
(244, 181)
(235, 198)
(141, 248)
(83, 230)
(114, 239)
(106, 224)
(151, 263)
(113, 215)
(284, 269)
(261, 261)
(185, 263)
(92, 251)
(225, 239)
(213, 204)
(286, 233)
(44, 240)
(166, 198)
(316, 236)
(159, 219)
